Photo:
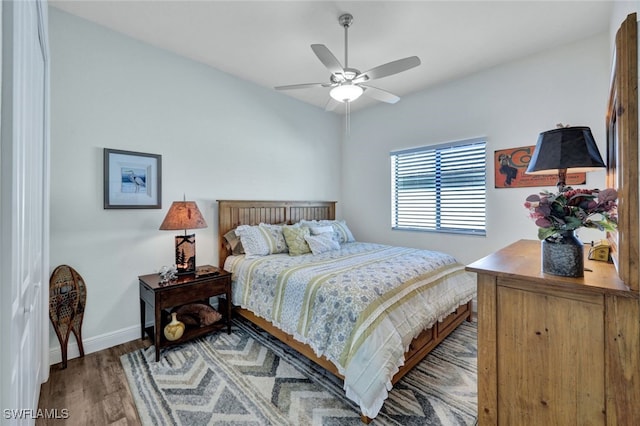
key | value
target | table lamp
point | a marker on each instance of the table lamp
(184, 215)
(565, 148)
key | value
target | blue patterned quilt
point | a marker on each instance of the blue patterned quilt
(359, 306)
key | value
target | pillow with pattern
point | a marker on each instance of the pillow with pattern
(234, 243)
(294, 236)
(342, 233)
(261, 240)
(342, 230)
(322, 243)
(321, 229)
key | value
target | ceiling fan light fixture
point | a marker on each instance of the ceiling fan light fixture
(348, 84)
(346, 92)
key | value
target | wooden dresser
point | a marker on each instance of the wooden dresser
(555, 350)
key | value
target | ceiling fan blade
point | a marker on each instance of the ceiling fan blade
(379, 94)
(331, 104)
(388, 69)
(327, 58)
(300, 86)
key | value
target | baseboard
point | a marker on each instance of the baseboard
(93, 344)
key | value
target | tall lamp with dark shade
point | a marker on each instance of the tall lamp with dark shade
(184, 215)
(565, 148)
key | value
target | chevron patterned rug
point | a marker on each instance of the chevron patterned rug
(250, 378)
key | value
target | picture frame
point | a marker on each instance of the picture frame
(511, 164)
(132, 180)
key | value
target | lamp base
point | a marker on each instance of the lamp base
(186, 254)
(562, 179)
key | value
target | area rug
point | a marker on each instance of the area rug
(251, 378)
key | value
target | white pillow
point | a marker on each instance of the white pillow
(342, 233)
(314, 222)
(322, 242)
(261, 240)
(317, 230)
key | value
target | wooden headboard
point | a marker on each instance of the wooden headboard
(233, 213)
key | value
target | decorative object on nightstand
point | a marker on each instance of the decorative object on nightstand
(173, 330)
(198, 314)
(184, 215)
(168, 273)
(559, 215)
(67, 300)
(207, 270)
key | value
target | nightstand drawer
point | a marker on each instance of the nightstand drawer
(192, 292)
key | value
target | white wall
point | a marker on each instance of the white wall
(219, 137)
(224, 138)
(619, 13)
(510, 105)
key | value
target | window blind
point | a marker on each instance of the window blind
(440, 188)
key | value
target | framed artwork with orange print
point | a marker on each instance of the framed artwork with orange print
(511, 164)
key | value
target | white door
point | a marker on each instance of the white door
(24, 209)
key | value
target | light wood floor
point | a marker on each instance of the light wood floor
(93, 389)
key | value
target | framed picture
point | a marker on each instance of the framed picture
(511, 165)
(132, 180)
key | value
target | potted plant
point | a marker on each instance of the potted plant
(558, 215)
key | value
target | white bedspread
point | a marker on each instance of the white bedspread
(359, 306)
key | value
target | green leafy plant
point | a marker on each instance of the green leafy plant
(555, 213)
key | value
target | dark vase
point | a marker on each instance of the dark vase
(563, 256)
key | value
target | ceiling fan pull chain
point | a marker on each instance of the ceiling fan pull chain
(347, 118)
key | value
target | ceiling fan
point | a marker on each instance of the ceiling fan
(347, 84)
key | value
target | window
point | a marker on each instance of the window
(440, 188)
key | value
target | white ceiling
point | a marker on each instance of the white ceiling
(268, 42)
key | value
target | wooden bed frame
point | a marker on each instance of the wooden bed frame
(234, 213)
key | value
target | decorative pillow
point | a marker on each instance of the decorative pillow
(294, 236)
(322, 243)
(317, 230)
(311, 223)
(343, 231)
(276, 238)
(234, 242)
(262, 240)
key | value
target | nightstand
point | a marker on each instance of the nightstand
(208, 281)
